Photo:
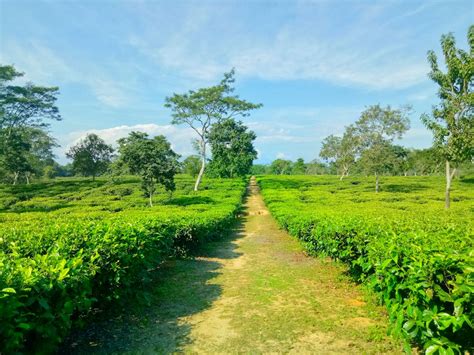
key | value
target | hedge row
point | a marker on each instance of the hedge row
(52, 271)
(420, 264)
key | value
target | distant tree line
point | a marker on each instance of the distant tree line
(225, 146)
(26, 145)
(400, 161)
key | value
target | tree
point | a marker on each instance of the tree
(341, 150)
(152, 159)
(299, 167)
(400, 163)
(452, 121)
(281, 167)
(26, 105)
(202, 108)
(259, 169)
(28, 152)
(91, 156)
(232, 149)
(376, 129)
(191, 165)
(315, 167)
(425, 161)
(23, 111)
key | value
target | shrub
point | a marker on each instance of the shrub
(417, 257)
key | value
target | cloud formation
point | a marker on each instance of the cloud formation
(179, 137)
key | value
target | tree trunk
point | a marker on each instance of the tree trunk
(345, 172)
(376, 182)
(151, 200)
(27, 178)
(449, 179)
(15, 177)
(203, 166)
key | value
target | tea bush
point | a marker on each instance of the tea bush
(418, 257)
(72, 244)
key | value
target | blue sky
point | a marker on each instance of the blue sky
(315, 65)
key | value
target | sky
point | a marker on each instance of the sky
(314, 65)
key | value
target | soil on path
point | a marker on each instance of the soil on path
(254, 292)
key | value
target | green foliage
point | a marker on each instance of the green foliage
(200, 109)
(415, 255)
(281, 167)
(376, 129)
(232, 148)
(152, 159)
(91, 156)
(452, 121)
(97, 242)
(191, 165)
(299, 167)
(25, 147)
(342, 151)
(26, 105)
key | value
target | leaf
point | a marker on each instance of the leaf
(431, 349)
(44, 303)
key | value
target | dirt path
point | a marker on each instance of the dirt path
(254, 292)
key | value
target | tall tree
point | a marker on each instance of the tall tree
(152, 159)
(25, 105)
(232, 149)
(28, 152)
(202, 108)
(342, 151)
(452, 121)
(299, 167)
(91, 156)
(377, 128)
(24, 111)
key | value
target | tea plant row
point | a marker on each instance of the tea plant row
(57, 266)
(401, 243)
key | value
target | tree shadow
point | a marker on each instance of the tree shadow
(467, 180)
(35, 208)
(189, 200)
(50, 188)
(405, 188)
(178, 289)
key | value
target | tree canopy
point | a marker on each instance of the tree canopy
(200, 109)
(91, 156)
(376, 129)
(341, 150)
(152, 159)
(25, 105)
(452, 120)
(232, 148)
(25, 145)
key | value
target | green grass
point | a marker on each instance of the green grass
(401, 242)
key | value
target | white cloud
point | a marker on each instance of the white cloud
(302, 49)
(43, 65)
(179, 137)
